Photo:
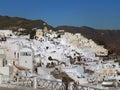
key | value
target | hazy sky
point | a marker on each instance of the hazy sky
(95, 13)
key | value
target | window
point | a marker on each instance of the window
(25, 61)
(4, 62)
(25, 53)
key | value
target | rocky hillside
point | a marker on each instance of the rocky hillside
(14, 23)
(109, 38)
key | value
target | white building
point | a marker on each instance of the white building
(7, 33)
(80, 41)
(26, 58)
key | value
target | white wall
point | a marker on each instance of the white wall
(2, 51)
(5, 70)
(6, 32)
(24, 60)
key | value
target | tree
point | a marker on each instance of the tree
(50, 58)
(32, 34)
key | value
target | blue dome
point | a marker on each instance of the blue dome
(38, 28)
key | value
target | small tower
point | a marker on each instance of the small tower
(45, 29)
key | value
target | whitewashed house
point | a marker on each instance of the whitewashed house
(26, 58)
(7, 33)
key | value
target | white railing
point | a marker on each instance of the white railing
(38, 83)
(25, 81)
(49, 84)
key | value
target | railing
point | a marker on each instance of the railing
(19, 82)
(49, 84)
(59, 85)
(38, 83)
(84, 87)
(25, 81)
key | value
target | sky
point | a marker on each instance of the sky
(100, 14)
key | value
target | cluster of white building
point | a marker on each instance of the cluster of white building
(25, 57)
(82, 42)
